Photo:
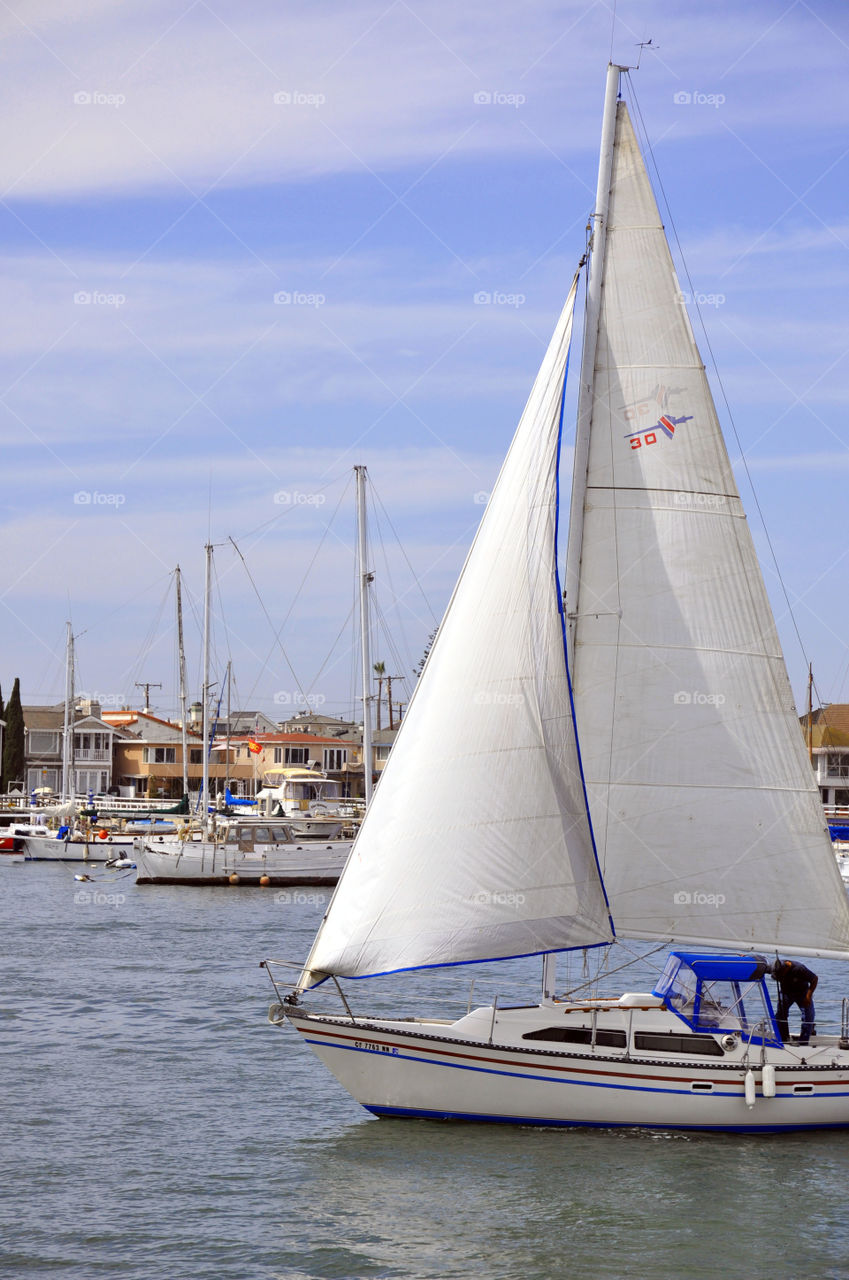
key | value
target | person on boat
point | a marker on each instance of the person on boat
(796, 985)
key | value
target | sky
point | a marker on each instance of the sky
(246, 248)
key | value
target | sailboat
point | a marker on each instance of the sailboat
(619, 761)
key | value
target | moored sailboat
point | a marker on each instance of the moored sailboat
(626, 765)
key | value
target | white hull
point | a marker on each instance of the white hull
(201, 862)
(49, 849)
(422, 1069)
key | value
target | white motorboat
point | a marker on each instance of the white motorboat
(627, 765)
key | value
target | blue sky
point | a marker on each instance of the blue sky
(172, 170)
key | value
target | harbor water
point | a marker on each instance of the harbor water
(155, 1127)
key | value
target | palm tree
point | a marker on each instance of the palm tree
(380, 672)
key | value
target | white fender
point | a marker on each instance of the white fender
(768, 1080)
(750, 1089)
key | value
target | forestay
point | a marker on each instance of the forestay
(477, 843)
(706, 814)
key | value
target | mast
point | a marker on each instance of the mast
(810, 732)
(365, 578)
(227, 753)
(68, 728)
(182, 663)
(591, 322)
(206, 620)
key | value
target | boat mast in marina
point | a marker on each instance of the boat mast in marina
(68, 727)
(365, 577)
(181, 658)
(207, 605)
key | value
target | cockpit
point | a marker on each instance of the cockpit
(716, 993)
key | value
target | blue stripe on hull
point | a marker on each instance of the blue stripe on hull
(559, 1079)
(404, 1113)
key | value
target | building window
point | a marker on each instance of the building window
(195, 755)
(837, 766)
(43, 743)
(278, 755)
(42, 778)
(159, 755)
(335, 759)
(297, 755)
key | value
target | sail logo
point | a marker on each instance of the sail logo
(665, 426)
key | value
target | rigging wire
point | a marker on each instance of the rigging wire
(718, 376)
(268, 619)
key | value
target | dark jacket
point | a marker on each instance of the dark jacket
(794, 981)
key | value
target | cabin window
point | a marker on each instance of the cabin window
(671, 1042)
(579, 1035)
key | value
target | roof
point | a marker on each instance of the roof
(52, 719)
(823, 735)
(145, 727)
(834, 715)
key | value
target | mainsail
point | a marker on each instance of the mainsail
(477, 842)
(707, 818)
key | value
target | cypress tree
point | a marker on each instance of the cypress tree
(13, 739)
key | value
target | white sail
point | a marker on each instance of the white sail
(707, 818)
(477, 843)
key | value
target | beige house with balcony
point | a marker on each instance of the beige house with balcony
(94, 740)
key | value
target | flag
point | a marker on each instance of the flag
(254, 746)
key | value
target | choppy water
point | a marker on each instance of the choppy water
(155, 1126)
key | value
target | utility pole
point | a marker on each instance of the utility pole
(389, 680)
(147, 685)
